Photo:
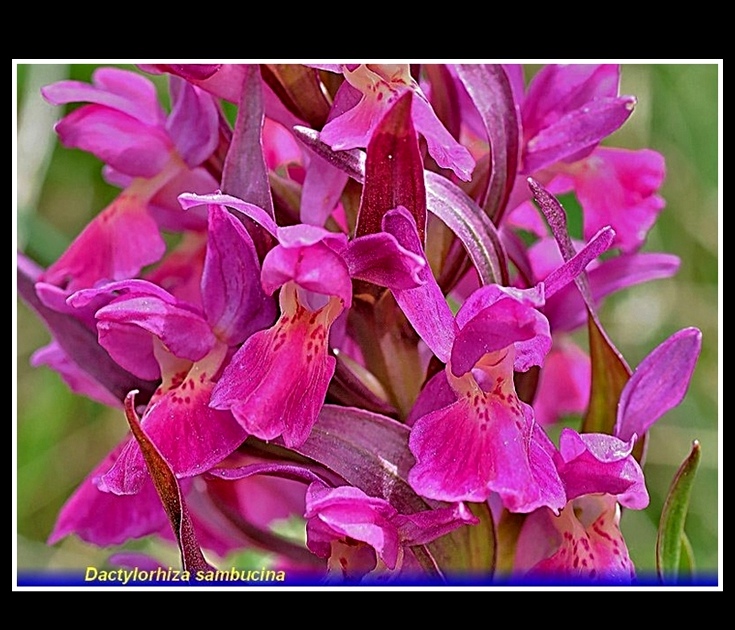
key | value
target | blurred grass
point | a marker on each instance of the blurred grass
(60, 437)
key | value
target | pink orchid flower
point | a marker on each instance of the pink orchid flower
(144, 150)
(378, 87)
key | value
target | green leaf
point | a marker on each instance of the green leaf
(671, 538)
(686, 563)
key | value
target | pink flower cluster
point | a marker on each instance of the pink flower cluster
(362, 319)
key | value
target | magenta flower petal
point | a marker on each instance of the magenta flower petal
(293, 351)
(233, 299)
(131, 313)
(566, 310)
(577, 133)
(61, 301)
(76, 335)
(304, 235)
(190, 435)
(316, 268)
(583, 543)
(435, 394)
(380, 86)
(557, 90)
(380, 259)
(452, 458)
(120, 90)
(619, 188)
(425, 306)
(104, 293)
(117, 139)
(322, 188)
(126, 128)
(524, 215)
(262, 491)
(484, 443)
(593, 463)
(281, 151)
(503, 323)
(442, 146)
(531, 345)
(116, 245)
(344, 520)
(353, 128)
(567, 111)
(164, 205)
(348, 513)
(424, 527)
(257, 214)
(565, 274)
(128, 325)
(189, 71)
(102, 518)
(627, 270)
(78, 380)
(226, 81)
(194, 122)
(489, 294)
(658, 384)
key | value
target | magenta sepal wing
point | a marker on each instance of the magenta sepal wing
(659, 383)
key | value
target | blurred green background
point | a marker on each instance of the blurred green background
(60, 436)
